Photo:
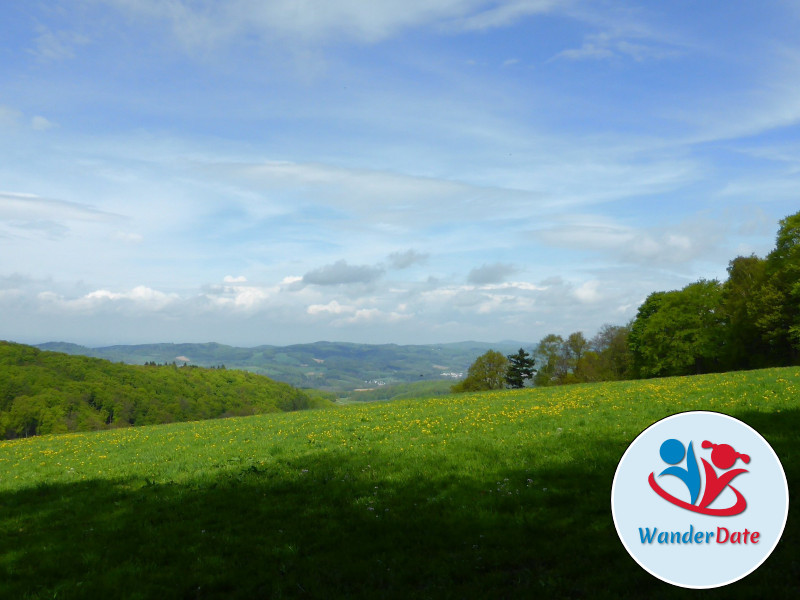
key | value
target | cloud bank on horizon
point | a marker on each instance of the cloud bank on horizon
(394, 171)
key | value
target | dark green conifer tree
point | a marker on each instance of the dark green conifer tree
(520, 368)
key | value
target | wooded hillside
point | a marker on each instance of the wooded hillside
(49, 392)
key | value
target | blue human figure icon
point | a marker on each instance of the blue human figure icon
(672, 452)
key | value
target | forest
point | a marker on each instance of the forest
(48, 392)
(749, 321)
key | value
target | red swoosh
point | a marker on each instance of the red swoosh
(737, 508)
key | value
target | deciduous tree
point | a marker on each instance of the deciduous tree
(488, 372)
(549, 357)
(679, 332)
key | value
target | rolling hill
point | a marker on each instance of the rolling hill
(49, 392)
(332, 366)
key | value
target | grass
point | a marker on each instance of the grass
(494, 495)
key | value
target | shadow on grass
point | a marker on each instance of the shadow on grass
(325, 527)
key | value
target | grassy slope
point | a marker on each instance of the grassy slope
(490, 495)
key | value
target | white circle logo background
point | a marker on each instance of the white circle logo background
(636, 506)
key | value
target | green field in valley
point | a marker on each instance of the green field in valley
(492, 495)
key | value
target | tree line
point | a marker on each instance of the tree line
(751, 320)
(555, 361)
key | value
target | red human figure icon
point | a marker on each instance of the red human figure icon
(724, 457)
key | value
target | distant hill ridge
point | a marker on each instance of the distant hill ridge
(53, 392)
(332, 366)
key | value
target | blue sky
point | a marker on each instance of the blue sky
(414, 171)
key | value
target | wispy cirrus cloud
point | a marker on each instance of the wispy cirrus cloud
(23, 214)
(323, 20)
(674, 245)
(52, 45)
(615, 45)
(503, 14)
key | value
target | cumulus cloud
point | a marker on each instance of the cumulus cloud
(341, 273)
(245, 314)
(403, 260)
(333, 308)
(587, 292)
(235, 294)
(237, 279)
(491, 273)
(373, 315)
(141, 293)
(140, 298)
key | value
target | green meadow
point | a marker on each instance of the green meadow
(491, 495)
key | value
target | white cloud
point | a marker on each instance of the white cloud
(607, 45)
(25, 207)
(139, 299)
(232, 279)
(9, 116)
(404, 260)
(423, 312)
(678, 244)
(332, 307)
(587, 292)
(129, 238)
(379, 207)
(765, 100)
(234, 295)
(140, 293)
(26, 215)
(590, 49)
(491, 273)
(372, 315)
(519, 285)
(502, 14)
(341, 273)
(57, 45)
(323, 20)
(40, 123)
(250, 297)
